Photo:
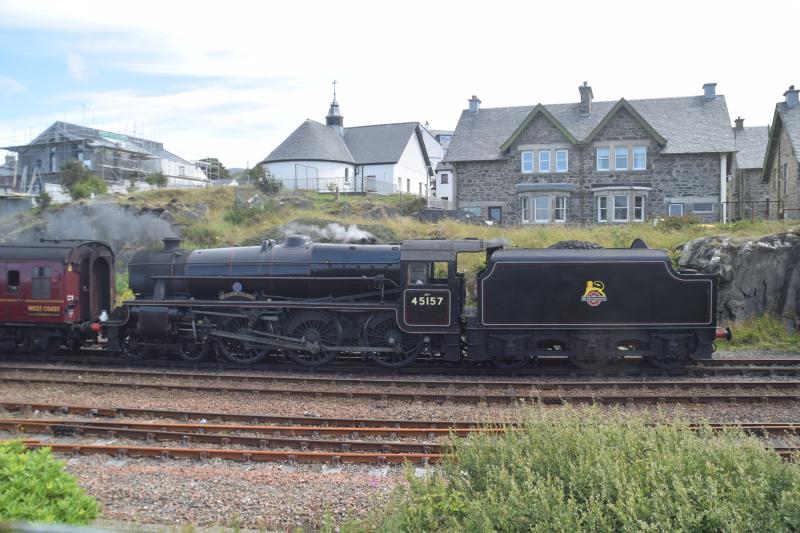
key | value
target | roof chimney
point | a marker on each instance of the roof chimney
(792, 97)
(739, 124)
(474, 104)
(709, 91)
(586, 99)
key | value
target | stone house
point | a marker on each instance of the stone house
(781, 172)
(748, 197)
(595, 162)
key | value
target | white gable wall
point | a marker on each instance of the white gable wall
(183, 174)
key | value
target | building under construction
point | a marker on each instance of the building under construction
(115, 157)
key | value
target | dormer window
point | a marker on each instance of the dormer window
(602, 159)
(544, 160)
(527, 162)
(621, 158)
(562, 161)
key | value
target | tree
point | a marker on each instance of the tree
(157, 179)
(79, 181)
(214, 169)
(266, 183)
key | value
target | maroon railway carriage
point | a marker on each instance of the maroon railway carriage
(53, 293)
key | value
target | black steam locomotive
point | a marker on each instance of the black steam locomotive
(395, 304)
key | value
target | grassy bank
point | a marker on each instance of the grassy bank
(579, 470)
(767, 332)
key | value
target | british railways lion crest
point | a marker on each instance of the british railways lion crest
(595, 293)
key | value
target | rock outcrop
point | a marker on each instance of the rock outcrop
(755, 276)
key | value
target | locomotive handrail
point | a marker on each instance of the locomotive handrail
(301, 278)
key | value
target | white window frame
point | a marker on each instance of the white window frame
(627, 208)
(641, 214)
(602, 210)
(524, 204)
(607, 159)
(619, 151)
(560, 200)
(566, 160)
(644, 158)
(695, 210)
(536, 210)
(522, 161)
(543, 162)
(181, 170)
(674, 204)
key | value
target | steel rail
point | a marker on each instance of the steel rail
(563, 394)
(335, 458)
(509, 387)
(237, 455)
(153, 434)
(217, 431)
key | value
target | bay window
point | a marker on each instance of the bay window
(638, 207)
(541, 209)
(560, 209)
(523, 207)
(620, 208)
(602, 208)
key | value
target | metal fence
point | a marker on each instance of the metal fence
(353, 184)
(760, 210)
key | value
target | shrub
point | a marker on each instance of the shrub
(35, 488)
(44, 200)
(679, 222)
(241, 215)
(156, 179)
(572, 470)
(79, 182)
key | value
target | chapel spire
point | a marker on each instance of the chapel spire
(334, 119)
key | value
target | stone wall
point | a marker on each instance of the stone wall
(755, 276)
(784, 186)
(748, 196)
(678, 178)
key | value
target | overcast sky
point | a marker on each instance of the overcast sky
(232, 79)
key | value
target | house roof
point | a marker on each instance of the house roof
(312, 141)
(381, 143)
(361, 145)
(790, 116)
(64, 132)
(688, 124)
(751, 146)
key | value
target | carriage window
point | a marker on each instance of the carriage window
(440, 271)
(40, 283)
(417, 273)
(12, 285)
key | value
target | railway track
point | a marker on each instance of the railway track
(552, 392)
(550, 366)
(283, 442)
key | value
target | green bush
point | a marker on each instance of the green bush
(79, 181)
(35, 488)
(156, 179)
(241, 215)
(679, 223)
(581, 470)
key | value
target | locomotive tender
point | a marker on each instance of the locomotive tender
(312, 302)
(394, 304)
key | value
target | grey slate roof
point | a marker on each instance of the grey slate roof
(312, 141)
(381, 143)
(690, 124)
(751, 146)
(362, 145)
(791, 123)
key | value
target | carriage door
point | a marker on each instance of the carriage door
(10, 292)
(427, 295)
(84, 294)
(100, 287)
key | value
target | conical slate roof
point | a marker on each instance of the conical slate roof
(312, 141)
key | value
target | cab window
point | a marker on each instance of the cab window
(40, 283)
(417, 273)
(12, 281)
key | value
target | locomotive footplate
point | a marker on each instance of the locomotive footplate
(290, 343)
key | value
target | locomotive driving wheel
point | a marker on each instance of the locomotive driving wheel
(315, 330)
(192, 350)
(133, 348)
(237, 351)
(382, 331)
